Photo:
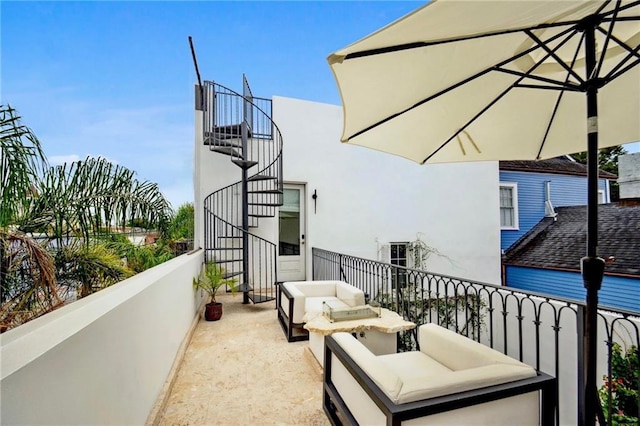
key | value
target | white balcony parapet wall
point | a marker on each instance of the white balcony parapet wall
(367, 199)
(105, 358)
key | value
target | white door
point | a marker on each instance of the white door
(292, 264)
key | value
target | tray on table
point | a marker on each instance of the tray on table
(335, 314)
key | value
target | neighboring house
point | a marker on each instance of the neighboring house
(530, 190)
(339, 197)
(546, 259)
(138, 236)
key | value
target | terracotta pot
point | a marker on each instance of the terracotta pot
(213, 311)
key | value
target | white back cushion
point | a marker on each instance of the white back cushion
(349, 294)
(316, 288)
(458, 352)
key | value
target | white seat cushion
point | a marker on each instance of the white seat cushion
(422, 376)
(410, 364)
(417, 387)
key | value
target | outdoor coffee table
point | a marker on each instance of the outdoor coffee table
(379, 335)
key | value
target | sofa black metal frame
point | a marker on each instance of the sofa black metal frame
(295, 332)
(339, 414)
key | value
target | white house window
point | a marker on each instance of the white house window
(398, 257)
(399, 254)
(508, 205)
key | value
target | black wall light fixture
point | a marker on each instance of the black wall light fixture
(315, 200)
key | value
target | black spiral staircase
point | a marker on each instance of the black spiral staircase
(240, 127)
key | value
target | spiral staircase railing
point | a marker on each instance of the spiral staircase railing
(240, 127)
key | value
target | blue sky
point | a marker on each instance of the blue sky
(116, 78)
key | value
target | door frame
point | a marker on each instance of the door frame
(304, 231)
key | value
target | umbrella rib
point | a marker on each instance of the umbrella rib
(632, 52)
(420, 44)
(545, 47)
(458, 84)
(607, 38)
(550, 52)
(621, 9)
(557, 105)
(555, 85)
(601, 8)
(539, 87)
(623, 70)
(468, 123)
(613, 73)
(504, 93)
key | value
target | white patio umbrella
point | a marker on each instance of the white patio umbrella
(501, 80)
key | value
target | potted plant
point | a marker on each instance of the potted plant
(211, 279)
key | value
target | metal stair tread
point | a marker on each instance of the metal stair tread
(230, 131)
(260, 298)
(245, 164)
(212, 141)
(244, 287)
(227, 151)
(260, 215)
(231, 274)
(258, 177)
(265, 204)
(265, 191)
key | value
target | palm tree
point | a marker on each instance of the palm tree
(72, 206)
(22, 160)
(26, 269)
(94, 196)
(88, 268)
(28, 280)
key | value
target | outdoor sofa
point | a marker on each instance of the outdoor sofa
(299, 301)
(451, 380)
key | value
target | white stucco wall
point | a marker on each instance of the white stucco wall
(212, 171)
(103, 359)
(367, 198)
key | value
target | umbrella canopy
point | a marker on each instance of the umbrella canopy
(463, 81)
(502, 80)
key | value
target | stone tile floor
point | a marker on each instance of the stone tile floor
(241, 371)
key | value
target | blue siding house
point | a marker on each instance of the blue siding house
(547, 258)
(616, 291)
(543, 232)
(530, 190)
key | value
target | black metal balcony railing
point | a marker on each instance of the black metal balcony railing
(541, 330)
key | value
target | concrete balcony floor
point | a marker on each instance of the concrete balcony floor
(241, 371)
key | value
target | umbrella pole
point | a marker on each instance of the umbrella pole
(592, 266)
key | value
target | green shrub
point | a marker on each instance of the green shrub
(619, 394)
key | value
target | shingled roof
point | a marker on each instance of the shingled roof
(558, 165)
(560, 244)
